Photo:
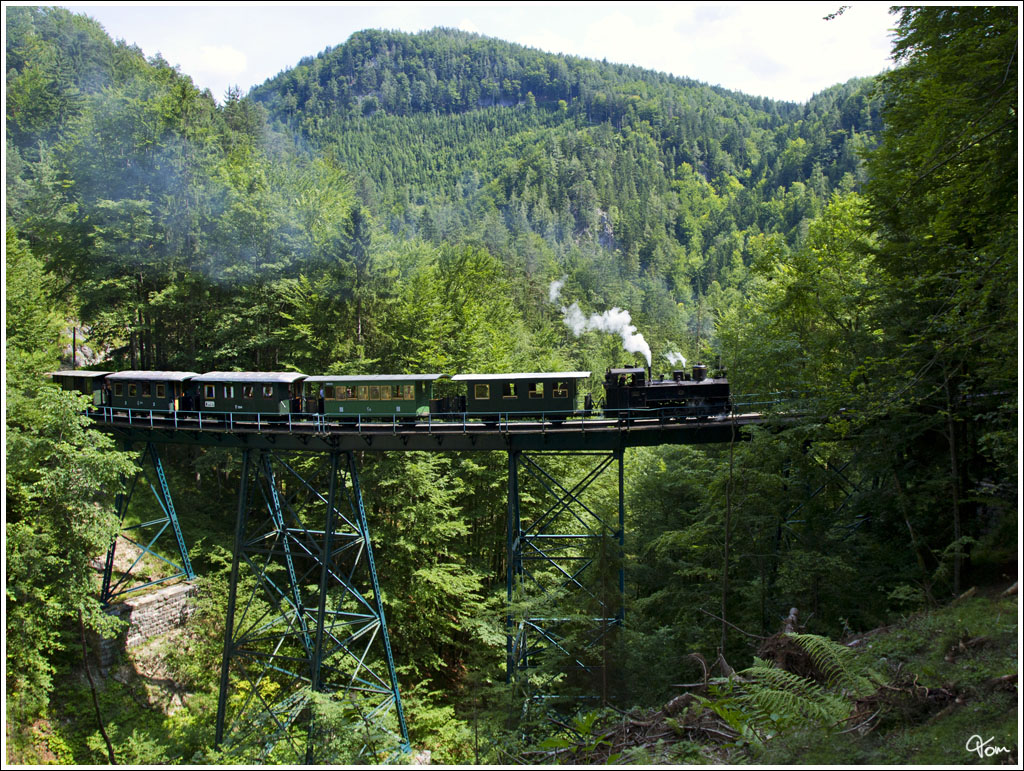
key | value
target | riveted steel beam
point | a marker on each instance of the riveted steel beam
(149, 536)
(308, 672)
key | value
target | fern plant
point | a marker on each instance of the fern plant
(766, 701)
(777, 700)
(839, 664)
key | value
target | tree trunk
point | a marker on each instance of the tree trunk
(954, 478)
(728, 535)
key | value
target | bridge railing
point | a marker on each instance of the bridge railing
(319, 423)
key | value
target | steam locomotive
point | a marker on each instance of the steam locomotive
(628, 394)
(633, 392)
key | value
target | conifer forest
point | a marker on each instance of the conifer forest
(838, 585)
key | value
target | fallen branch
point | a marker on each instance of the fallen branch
(1006, 681)
(741, 631)
(728, 736)
(863, 723)
(966, 595)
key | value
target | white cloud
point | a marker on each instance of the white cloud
(220, 60)
(217, 67)
(550, 41)
(782, 50)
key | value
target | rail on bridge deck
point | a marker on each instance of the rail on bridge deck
(446, 433)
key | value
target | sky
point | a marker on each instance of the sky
(784, 51)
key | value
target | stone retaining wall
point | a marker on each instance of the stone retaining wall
(148, 615)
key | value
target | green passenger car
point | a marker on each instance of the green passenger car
(248, 392)
(370, 396)
(141, 390)
(552, 394)
(84, 381)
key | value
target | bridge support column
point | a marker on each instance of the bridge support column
(144, 535)
(308, 674)
(565, 575)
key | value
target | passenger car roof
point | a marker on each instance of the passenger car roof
(371, 378)
(524, 376)
(78, 373)
(138, 374)
(250, 377)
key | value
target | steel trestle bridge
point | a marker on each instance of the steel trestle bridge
(305, 616)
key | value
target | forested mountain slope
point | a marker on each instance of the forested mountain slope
(655, 177)
(403, 203)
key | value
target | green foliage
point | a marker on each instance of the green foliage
(943, 201)
(344, 734)
(938, 691)
(837, 663)
(61, 475)
(814, 304)
(580, 741)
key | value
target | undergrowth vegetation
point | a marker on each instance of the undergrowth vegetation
(934, 688)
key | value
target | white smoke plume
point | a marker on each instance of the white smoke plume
(555, 290)
(675, 358)
(615, 321)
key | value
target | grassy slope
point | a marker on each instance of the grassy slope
(945, 668)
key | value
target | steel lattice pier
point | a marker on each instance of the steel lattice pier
(305, 620)
(565, 575)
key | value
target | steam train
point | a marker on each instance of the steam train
(629, 393)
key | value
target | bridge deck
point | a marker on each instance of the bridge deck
(314, 434)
